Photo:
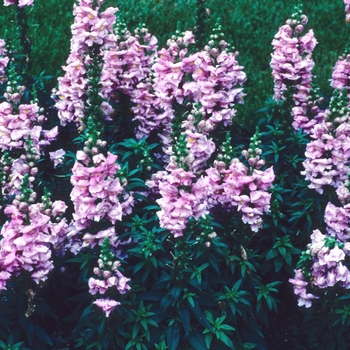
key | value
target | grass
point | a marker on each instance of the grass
(249, 24)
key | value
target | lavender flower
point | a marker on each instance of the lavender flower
(291, 64)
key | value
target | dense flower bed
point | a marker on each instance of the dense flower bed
(137, 213)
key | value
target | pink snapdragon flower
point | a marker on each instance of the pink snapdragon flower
(347, 10)
(291, 64)
(96, 190)
(107, 305)
(90, 28)
(97, 194)
(4, 60)
(305, 299)
(28, 237)
(57, 157)
(327, 156)
(327, 253)
(341, 73)
(178, 204)
(236, 188)
(127, 71)
(213, 81)
(200, 149)
(107, 278)
(19, 3)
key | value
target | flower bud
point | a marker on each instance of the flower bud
(106, 274)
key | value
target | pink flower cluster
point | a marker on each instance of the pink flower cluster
(347, 10)
(327, 163)
(235, 187)
(15, 128)
(183, 195)
(28, 237)
(4, 60)
(341, 73)
(211, 78)
(127, 70)
(200, 149)
(108, 277)
(20, 124)
(291, 64)
(97, 192)
(180, 200)
(19, 3)
(92, 240)
(90, 28)
(327, 253)
(327, 156)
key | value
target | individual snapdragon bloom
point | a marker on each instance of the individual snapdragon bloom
(57, 157)
(305, 299)
(106, 304)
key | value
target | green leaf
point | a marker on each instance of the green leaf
(144, 324)
(196, 339)
(282, 251)
(185, 317)
(173, 337)
(42, 335)
(237, 284)
(129, 344)
(278, 262)
(227, 327)
(288, 258)
(29, 331)
(127, 154)
(208, 338)
(152, 207)
(139, 266)
(152, 323)
(133, 172)
(135, 330)
(271, 254)
(175, 293)
(153, 260)
(213, 262)
(163, 307)
(226, 340)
